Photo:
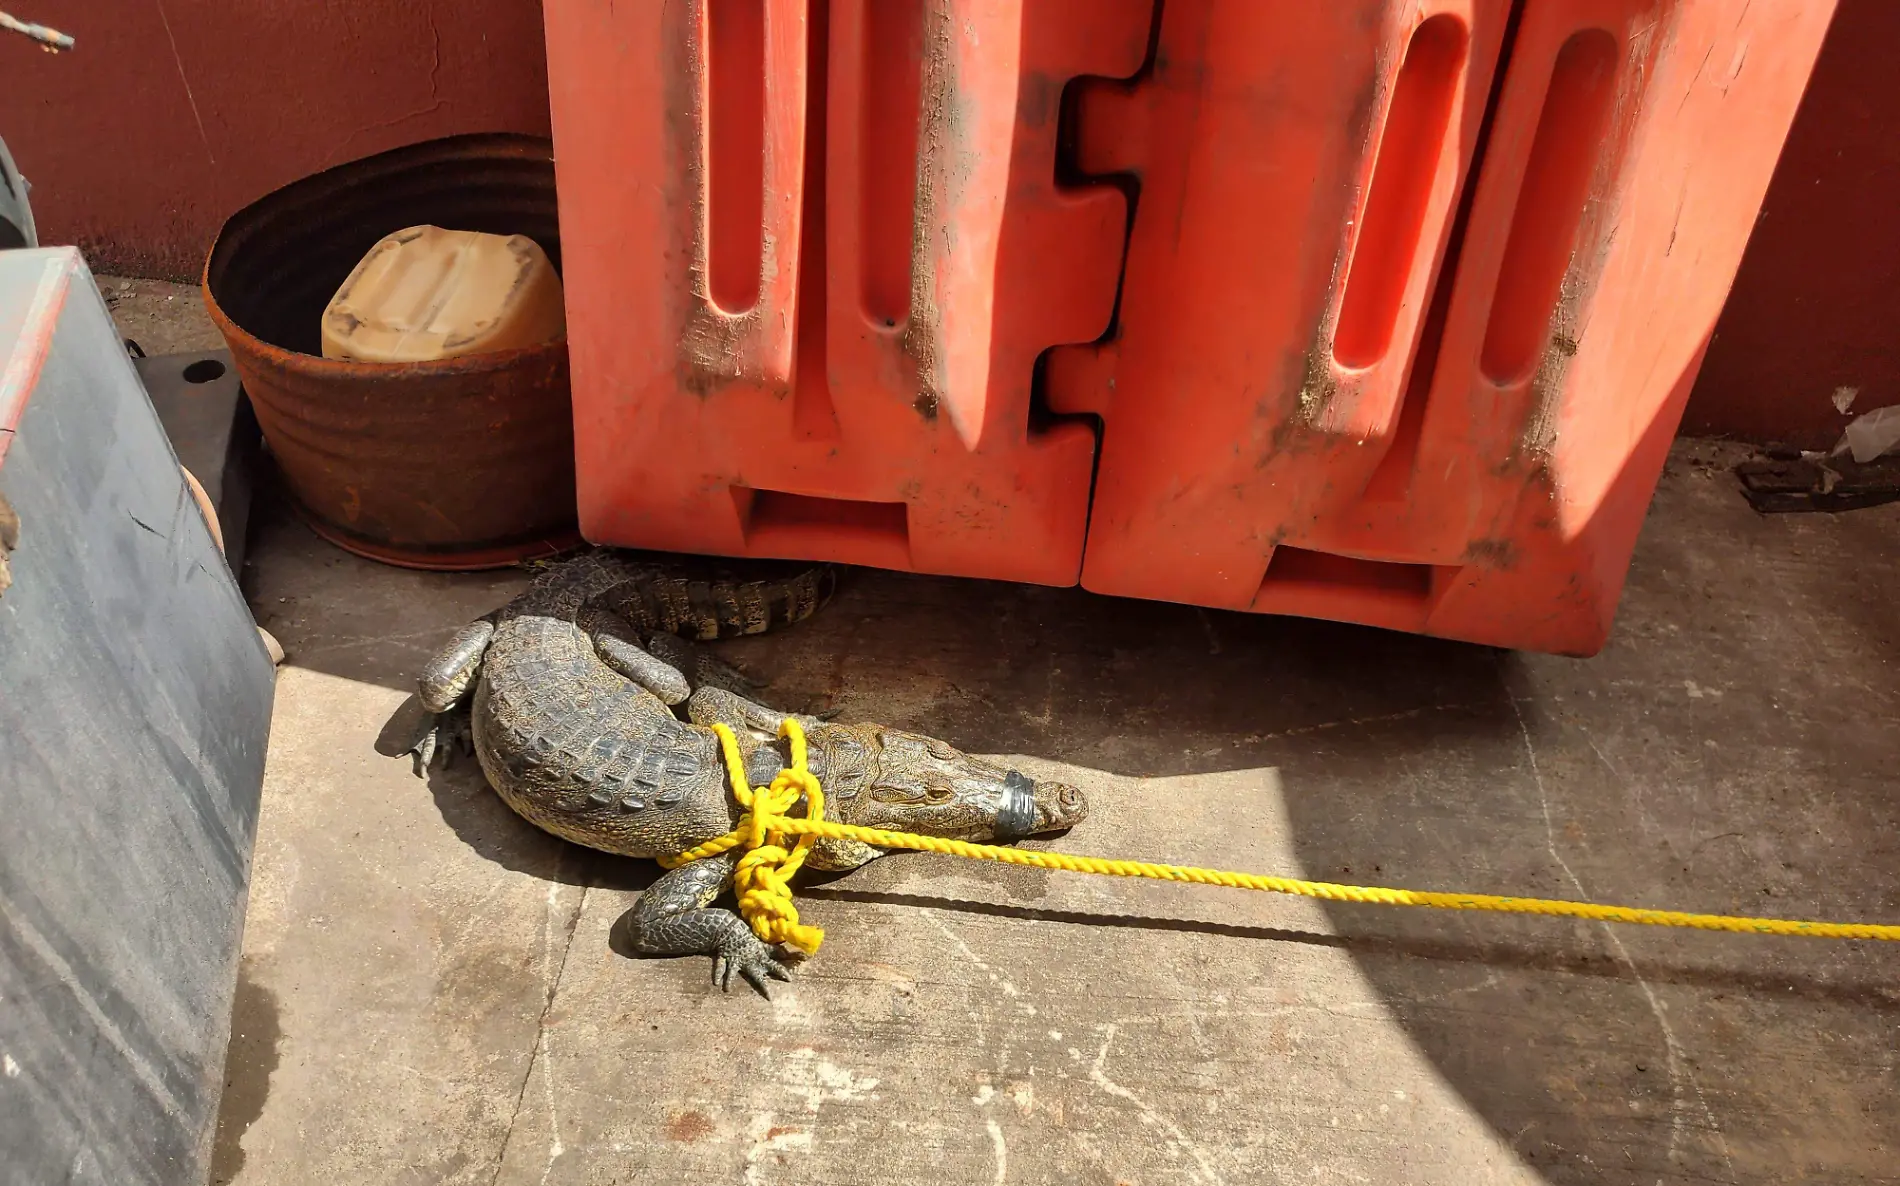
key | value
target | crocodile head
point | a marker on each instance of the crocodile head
(905, 782)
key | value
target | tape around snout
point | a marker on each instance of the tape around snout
(1016, 814)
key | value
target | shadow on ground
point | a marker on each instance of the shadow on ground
(250, 1059)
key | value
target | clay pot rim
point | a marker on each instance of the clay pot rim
(317, 366)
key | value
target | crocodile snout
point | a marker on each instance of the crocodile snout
(1059, 806)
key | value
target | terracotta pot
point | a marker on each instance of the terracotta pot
(458, 464)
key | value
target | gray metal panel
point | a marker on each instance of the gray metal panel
(134, 710)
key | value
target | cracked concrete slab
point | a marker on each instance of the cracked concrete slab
(429, 993)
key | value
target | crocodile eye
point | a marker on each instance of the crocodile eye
(938, 787)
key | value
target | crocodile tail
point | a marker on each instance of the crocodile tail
(707, 598)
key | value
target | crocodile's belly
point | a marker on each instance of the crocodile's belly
(583, 753)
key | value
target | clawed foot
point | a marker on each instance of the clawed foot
(752, 959)
(448, 736)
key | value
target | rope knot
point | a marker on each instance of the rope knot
(763, 878)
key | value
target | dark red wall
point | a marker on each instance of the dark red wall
(170, 114)
(1816, 304)
(173, 113)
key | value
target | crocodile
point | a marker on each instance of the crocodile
(592, 720)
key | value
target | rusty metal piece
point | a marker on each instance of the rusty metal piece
(456, 464)
(51, 40)
(9, 540)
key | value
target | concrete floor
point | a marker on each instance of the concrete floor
(163, 318)
(428, 994)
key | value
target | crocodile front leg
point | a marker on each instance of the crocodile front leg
(619, 647)
(673, 918)
(678, 672)
(450, 673)
(702, 668)
(718, 706)
(449, 734)
(442, 688)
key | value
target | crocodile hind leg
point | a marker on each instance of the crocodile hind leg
(442, 688)
(674, 917)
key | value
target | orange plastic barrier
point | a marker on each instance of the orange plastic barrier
(1272, 443)
(813, 252)
(1300, 166)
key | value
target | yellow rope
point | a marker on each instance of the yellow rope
(765, 897)
(763, 878)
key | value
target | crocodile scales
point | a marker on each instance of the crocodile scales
(570, 694)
